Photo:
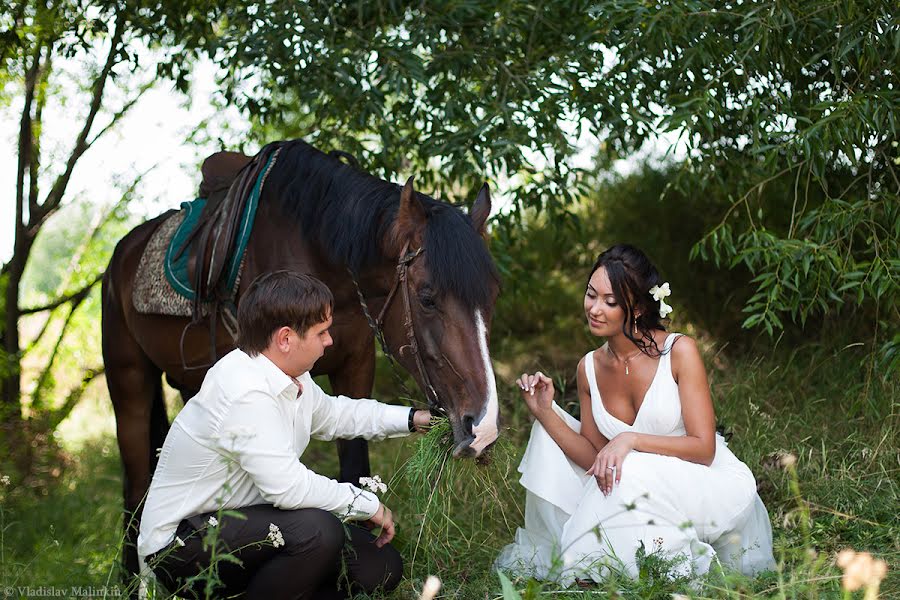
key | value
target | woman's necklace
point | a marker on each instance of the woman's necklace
(626, 359)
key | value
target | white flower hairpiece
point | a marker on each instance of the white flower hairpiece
(659, 293)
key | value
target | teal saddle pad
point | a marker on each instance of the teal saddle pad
(176, 264)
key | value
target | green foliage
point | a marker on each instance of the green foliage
(804, 95)
(798, 96)
(452, 92)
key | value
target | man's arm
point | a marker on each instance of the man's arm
(256, 437)
(342, 417)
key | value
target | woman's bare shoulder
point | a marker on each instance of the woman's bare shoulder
(685, 351)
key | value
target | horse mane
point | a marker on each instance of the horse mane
(349, 212)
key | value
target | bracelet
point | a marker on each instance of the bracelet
(411, 423)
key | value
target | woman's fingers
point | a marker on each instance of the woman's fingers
(523, 383)
(600, 473)
(530, 383)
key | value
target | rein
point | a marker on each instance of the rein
(407, 256)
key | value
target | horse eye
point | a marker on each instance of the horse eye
(427, 300)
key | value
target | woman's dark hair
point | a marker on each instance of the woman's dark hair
(278, 299)
(631, 275)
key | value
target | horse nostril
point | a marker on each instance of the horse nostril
(468, 421)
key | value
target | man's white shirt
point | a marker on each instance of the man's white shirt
(237, 443)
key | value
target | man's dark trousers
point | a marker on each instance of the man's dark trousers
(321, 558)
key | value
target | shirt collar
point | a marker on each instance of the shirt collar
(278, 381)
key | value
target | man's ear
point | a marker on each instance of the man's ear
(281, 339)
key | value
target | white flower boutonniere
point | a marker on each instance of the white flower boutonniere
(660, 293)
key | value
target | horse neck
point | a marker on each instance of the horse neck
(279, 244)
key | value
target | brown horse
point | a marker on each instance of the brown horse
(419, 263)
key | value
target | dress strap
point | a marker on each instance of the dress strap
(670, 340)
(666, 358)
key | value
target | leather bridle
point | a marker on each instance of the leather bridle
(401, 283)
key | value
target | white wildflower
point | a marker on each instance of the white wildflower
(373, 484)
(4, 480)
(861, 569)
(275, 535)
(179, 541)
(213, 522)
(431, 588)
(787, 460)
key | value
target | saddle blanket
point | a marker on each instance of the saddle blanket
(153, 294)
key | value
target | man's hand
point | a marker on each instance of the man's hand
(383, 518)
(422, 420)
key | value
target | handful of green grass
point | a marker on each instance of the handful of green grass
(461, 506)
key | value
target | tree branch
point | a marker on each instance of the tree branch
(121, 113)
(55, 417)
(36, 125)
(25, 148)
(54, 197)
(40, 386)
(75, 297)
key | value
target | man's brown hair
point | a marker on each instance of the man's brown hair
(278, 299)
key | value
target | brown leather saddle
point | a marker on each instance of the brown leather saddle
(227, 181)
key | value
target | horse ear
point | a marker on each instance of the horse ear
(481, 210)
(411, 217)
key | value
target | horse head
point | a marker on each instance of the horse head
(438, 320)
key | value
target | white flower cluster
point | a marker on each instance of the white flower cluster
(660, 293)
(275, 535)
(4, 480)
(213, 522)
(373, 484)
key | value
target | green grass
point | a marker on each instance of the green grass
(454, 516)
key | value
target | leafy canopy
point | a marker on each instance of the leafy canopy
(788, 110)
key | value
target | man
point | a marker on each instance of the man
(235, 447)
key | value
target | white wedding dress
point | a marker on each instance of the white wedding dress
(690, 512)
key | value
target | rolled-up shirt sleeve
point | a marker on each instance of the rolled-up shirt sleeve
(260, 442)
(336, 417)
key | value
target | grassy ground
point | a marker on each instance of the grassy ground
(817, 404)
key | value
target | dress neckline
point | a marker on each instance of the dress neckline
(596, 386)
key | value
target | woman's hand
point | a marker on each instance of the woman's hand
(607, 467)
(537, 390)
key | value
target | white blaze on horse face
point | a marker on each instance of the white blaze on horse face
(486, 429)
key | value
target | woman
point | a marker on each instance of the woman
(644, 467)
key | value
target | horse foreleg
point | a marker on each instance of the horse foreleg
(354, 379)
(135, 388)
